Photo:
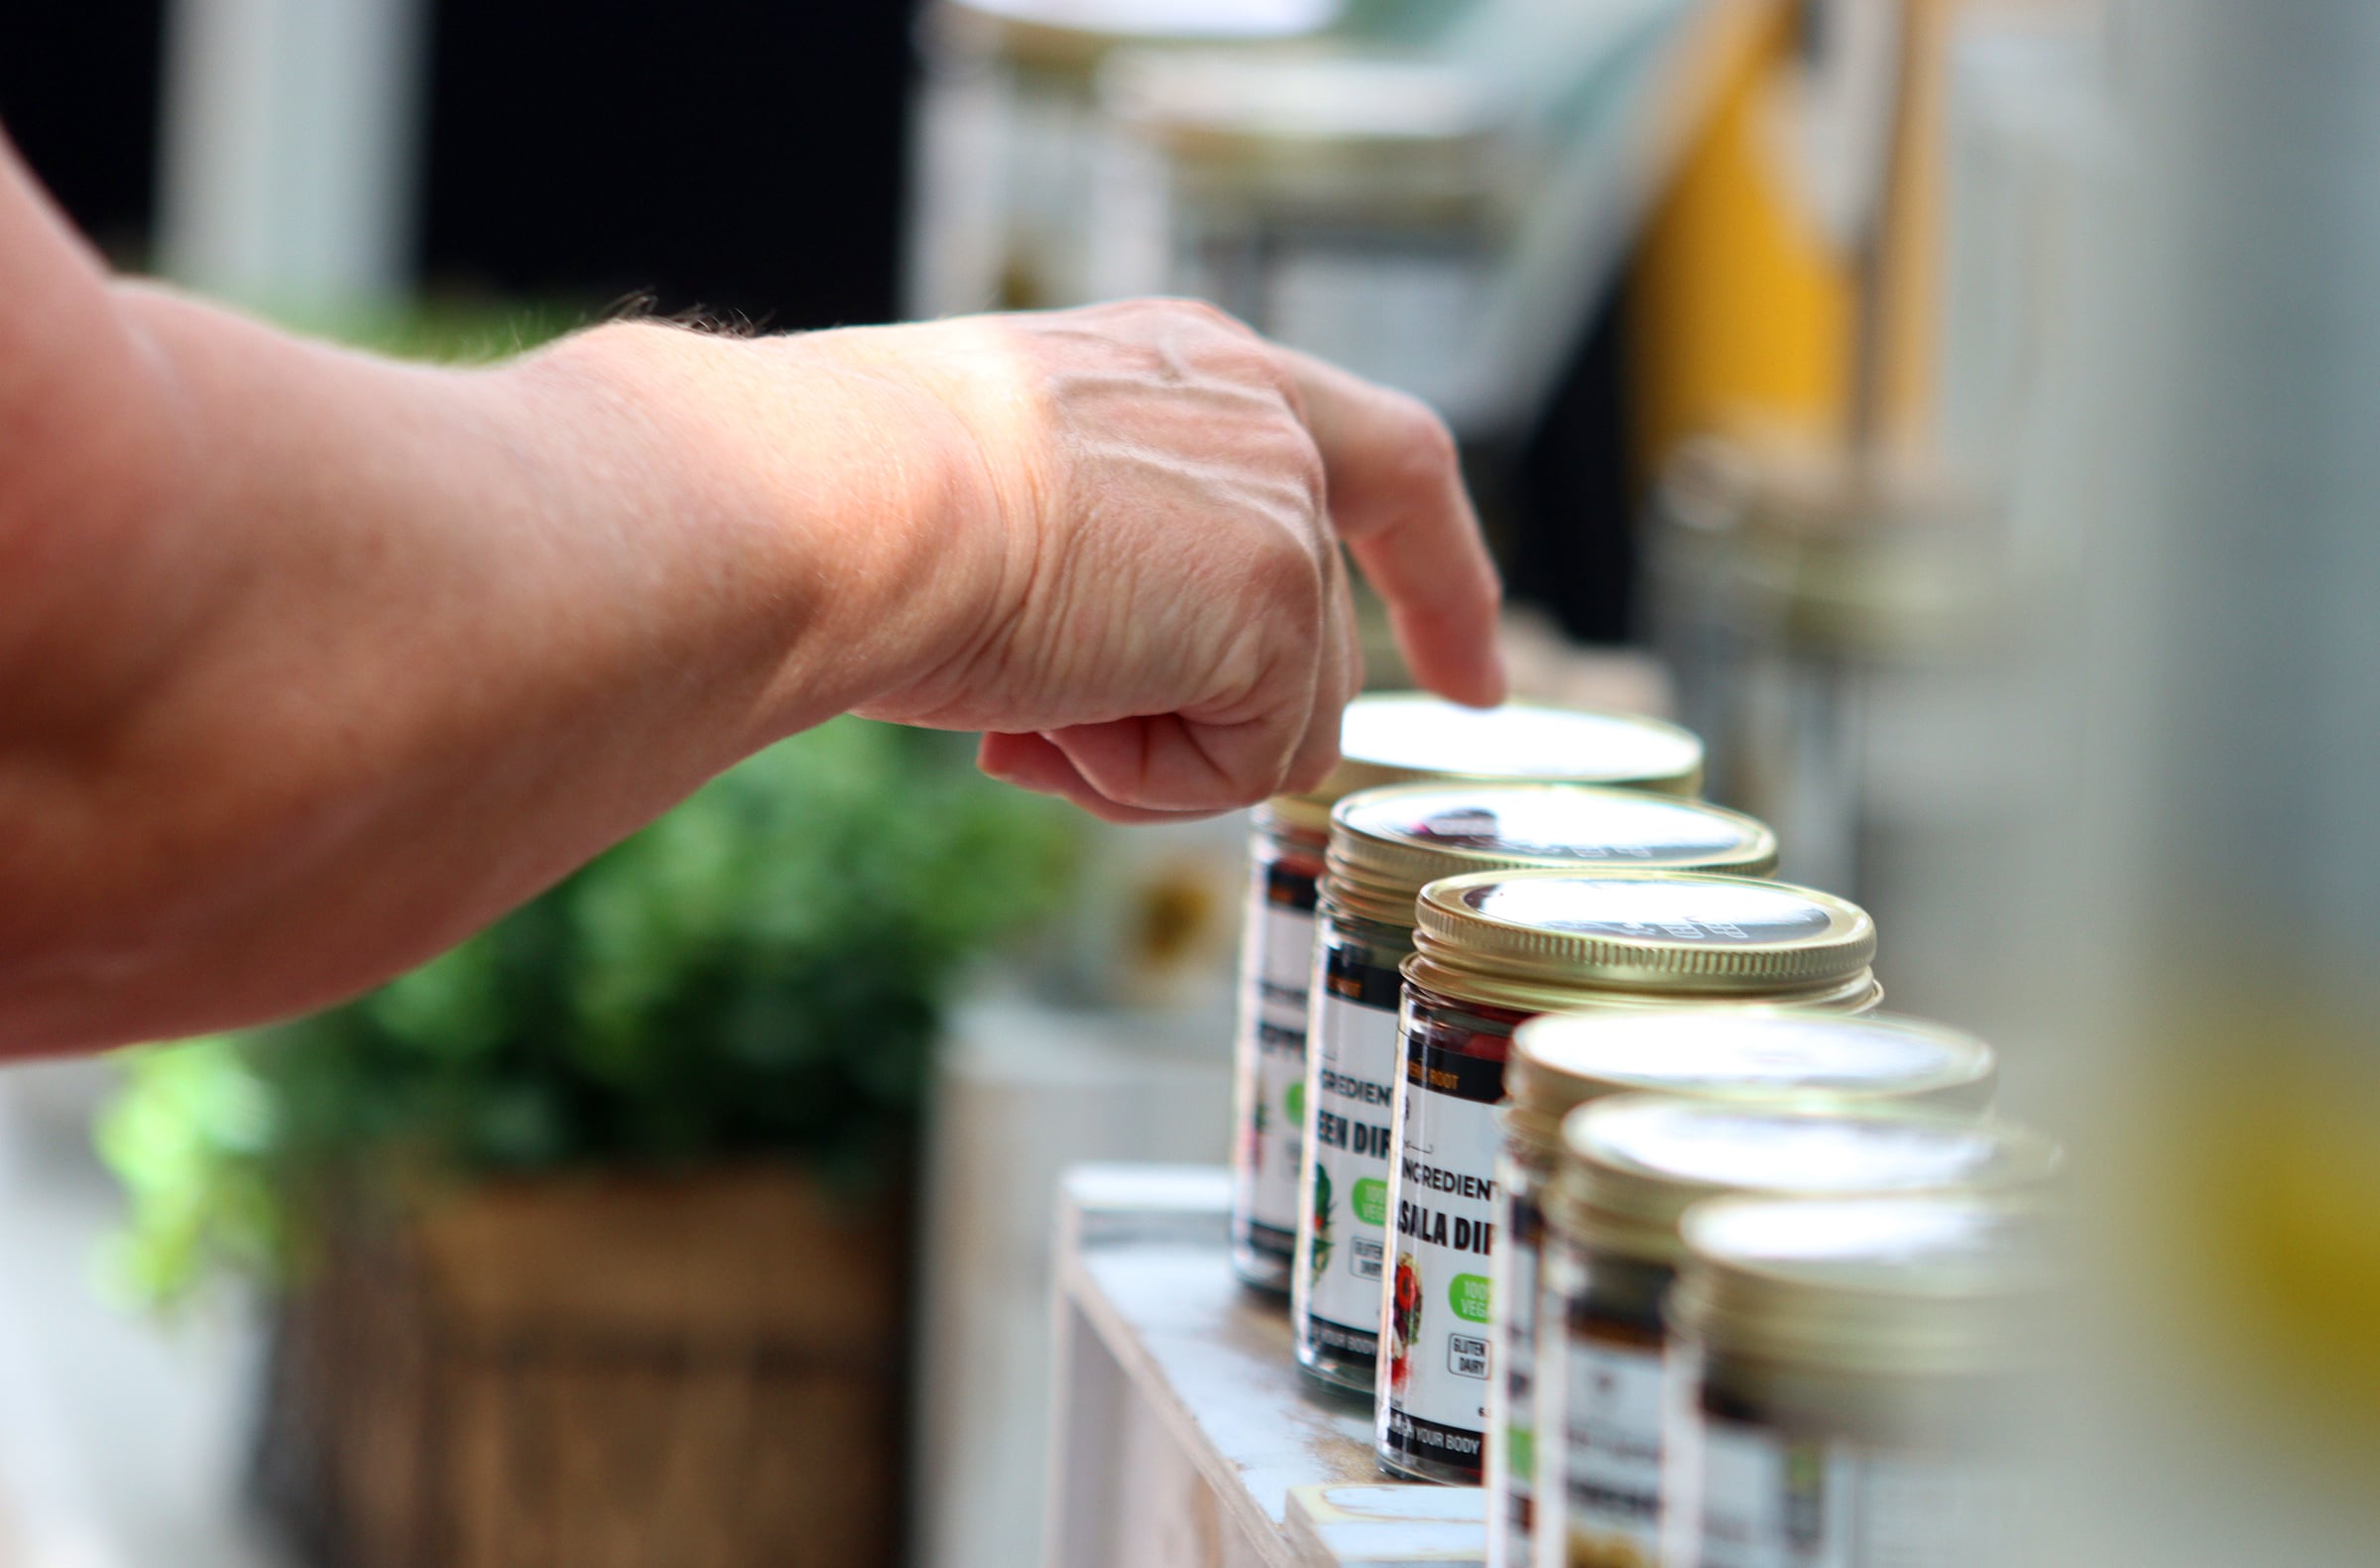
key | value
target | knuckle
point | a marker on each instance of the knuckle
(1286, 593)
(1294, 572)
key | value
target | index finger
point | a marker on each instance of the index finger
(1396, 496)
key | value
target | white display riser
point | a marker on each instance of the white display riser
(1186, 1436)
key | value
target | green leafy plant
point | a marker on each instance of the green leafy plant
(759, 973)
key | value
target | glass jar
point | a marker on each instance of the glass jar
(1489, 950)
(1846, 1379)
(1385, 845)
(1357, 204)
(1384, 738)
(1342, 1231)
(1009, 135)
(1630, 1166)
(1277, 968)
(1562, 1060)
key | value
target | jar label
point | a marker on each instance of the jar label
(1436, 1318)
(1341, 1222)
(1749, 1497)
(1512, 1394)
(1612, 1490)
(1276, 965)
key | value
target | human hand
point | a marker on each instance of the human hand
(1160, 625)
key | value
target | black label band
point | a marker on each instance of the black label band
(1524, 1221)
(1455, 1073)
(1286, 888)
(1327, 1335)
(1350, 978)
(1416, 1438)
(1268, 1241)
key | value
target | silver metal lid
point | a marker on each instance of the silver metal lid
(1633, 1165)
(1562, 1060)
(1910, 1284)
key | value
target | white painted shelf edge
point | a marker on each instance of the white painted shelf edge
(1184, 1436)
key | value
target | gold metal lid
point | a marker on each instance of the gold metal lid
(1411, 737)
(1564, 1059)
(1548, 941)
(1632, 1165)
(1387, 844)
(1908, 1284)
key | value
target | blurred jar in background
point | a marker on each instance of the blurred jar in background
(1353, 205)
(1828, 617)
(1631, 1167)
(1848, 1380)
(1563, 1060)
(1007, 138)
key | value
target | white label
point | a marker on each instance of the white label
(1276, 963)
(1612, 1491)
(1437, 1317)
(1512, 1395)
(1343, 1219)
(1769, 1502)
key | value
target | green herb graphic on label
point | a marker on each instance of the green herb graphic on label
(1322, 1221)
(1468, 1296)
(1368, 1201)
(1293, 1104)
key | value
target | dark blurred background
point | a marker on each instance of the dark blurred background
(78, 92)
(728, 156)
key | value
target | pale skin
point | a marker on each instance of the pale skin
(311, 663)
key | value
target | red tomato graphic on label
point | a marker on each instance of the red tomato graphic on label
(1404, 1321)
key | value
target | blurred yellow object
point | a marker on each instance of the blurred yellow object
(2264, 1178)
(1743, 307)
(1737, 304)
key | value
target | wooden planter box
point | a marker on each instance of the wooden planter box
(701, 1372)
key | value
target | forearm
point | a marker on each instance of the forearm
(381, 650)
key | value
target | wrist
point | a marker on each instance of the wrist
(837, 503)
